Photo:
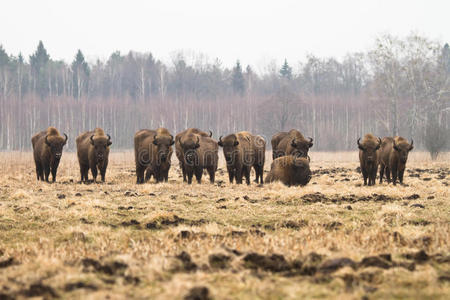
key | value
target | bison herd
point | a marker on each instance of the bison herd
(197, 152)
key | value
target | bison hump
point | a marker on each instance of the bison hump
(52, 131)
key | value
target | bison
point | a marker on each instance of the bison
(93, 153)
(259, 144)
(243, 151)
(393, 155)
(368, 157)
(47, 152)
(153, 154)
(290, 170)
(179, 150)
(290, 143)
(197, 152)
(239, 154)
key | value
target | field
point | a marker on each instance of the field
(333, 238)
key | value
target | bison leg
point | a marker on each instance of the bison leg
(388, 174)
(140, 174)
(148, 175)
(183, 170)
(189, 174)
(400, 175)
(364, 172)
(394, 175)
(212, 174)
(381, 173)
(103, 173)
(39, 171)
(238, 175)
(94, 173)
(246, 173)
(198, 174)
(47, 172)
(373, 175)
(231, 173)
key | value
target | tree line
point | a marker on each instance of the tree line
(400, 86)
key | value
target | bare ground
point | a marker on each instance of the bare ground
(331, 239)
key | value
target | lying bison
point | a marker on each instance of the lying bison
(93, 153)
(197, 152)
(290, 170)
(47, 152)
(290, 143)
(393, 155)
(179, 150)
(368, 157)
(153, 154)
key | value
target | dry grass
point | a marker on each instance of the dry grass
(122, 240)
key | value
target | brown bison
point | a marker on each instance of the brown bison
(259, 144)
(239, 154)
(93, 153)
(393, 155)
(197, 152)
(243, 151)
(368, 157)
(153, 154)
(290, 143)
(179, 150)
(290, 170)
(47, 152)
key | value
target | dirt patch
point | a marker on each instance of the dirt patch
(335, 225)
(272, 263)
(219, 261)
(294, 224)
(79, 285)
(332, 265)
(132, 222)
(39, 290)
(165, 221)
(187, 265)
(109, 268)
(8, 262)
(198, 293)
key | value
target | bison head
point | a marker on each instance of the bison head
(229, 145)
(301, 147)
(190, 144)
(101, 146)
(56, 144)
(403, 150)
(369, 150)
(163, 144)
(302, 172)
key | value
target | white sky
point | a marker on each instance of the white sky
(256, 32)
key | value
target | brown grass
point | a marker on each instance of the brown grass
(133, 234)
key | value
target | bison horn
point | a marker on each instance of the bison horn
(220, 139)
(65, 141)
(412, 142)
(46, 141)
(92, 139)
(379, 141)
(109, 137)
(311, 139)
(293, 144)
(210, 133)
(359, 145)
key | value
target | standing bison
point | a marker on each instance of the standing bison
(179, 150)
(290, 170)
(243, 151)
(93, 153)
(259, 144)
(196, 152)
(392, 158)
(368, 157)
(290, 143)
(153, 154)
(47, 152)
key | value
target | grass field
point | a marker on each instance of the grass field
(333, 238)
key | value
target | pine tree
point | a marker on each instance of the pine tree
(238, 79)
(286, 70)
(39, 70)
(80, 70)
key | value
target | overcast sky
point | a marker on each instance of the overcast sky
(256, 32)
